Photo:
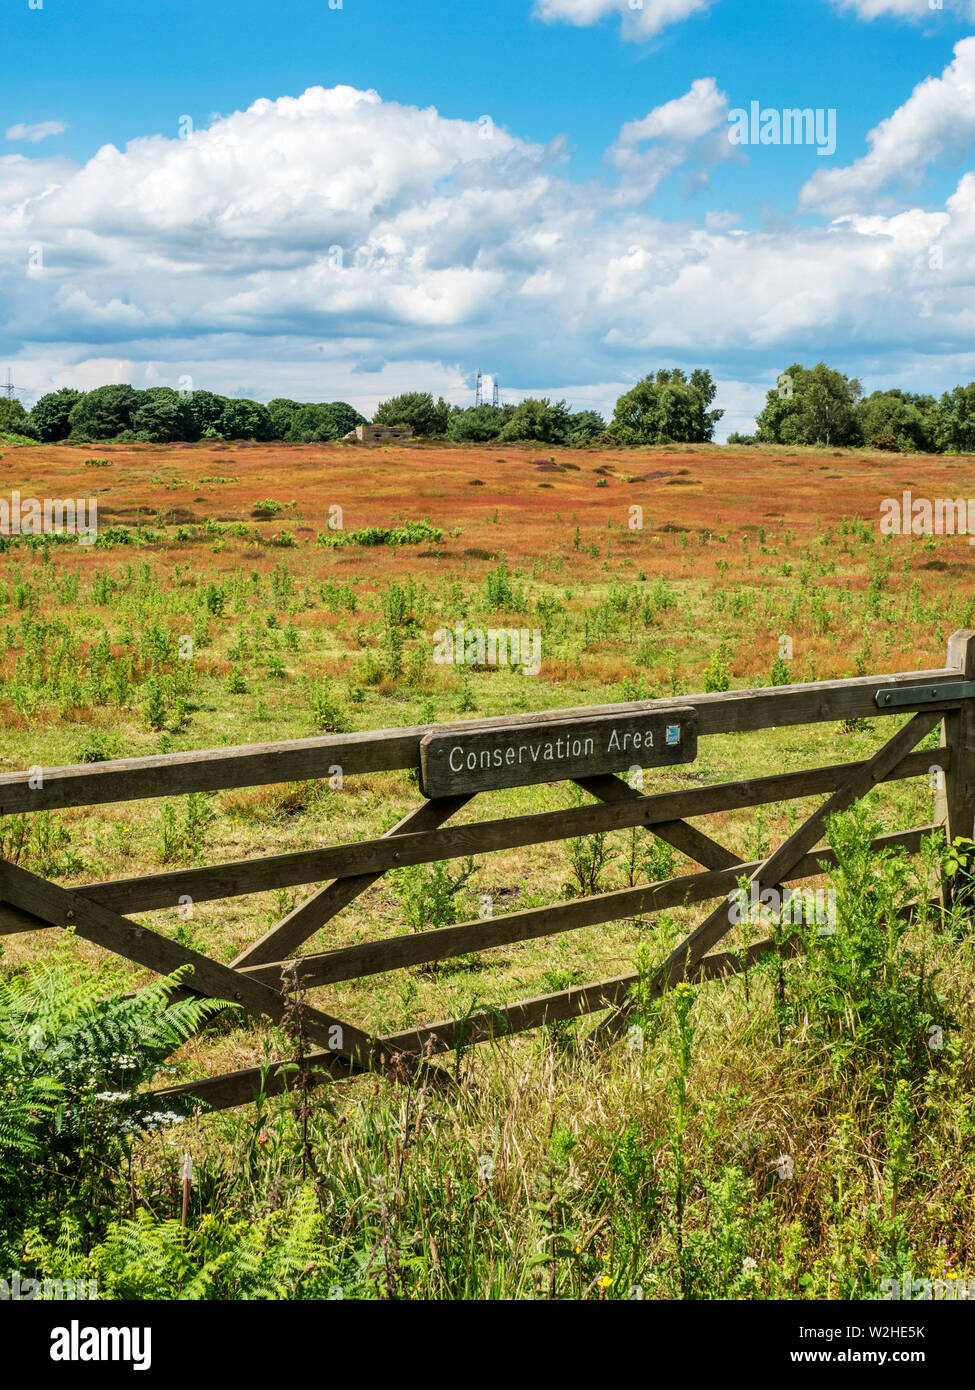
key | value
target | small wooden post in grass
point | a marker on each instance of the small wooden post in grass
(955, 802)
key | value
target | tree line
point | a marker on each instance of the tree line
(670, 406)
(162, 415)
(821, 406)
(814, 406)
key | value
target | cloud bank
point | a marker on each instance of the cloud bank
(335, 244)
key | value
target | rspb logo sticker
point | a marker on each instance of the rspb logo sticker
(673, 735)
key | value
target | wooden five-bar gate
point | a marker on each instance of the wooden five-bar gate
(454, 762)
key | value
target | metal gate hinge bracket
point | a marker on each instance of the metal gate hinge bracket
(924, 694)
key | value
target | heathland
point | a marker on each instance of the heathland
(765, 1140)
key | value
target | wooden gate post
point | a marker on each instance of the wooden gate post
(955, 803)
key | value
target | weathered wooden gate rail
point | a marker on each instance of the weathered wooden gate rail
(97, 911)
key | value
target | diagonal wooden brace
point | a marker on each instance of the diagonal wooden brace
(308, 917)
(687, 838)
(62, 907)
(777, 867)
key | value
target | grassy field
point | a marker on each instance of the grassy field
(219, 606)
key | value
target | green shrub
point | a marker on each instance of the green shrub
(267, 509)
(717, 677)
(408, 533)
(183, 838)
(327, 711)
(427, 893)
(154, 704)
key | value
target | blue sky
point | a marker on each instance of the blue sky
(558, 252)
(114, 70)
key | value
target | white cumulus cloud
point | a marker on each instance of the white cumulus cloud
(684, 118)
(33, 133)
(936, 123)
(693, 125)
(640, 19)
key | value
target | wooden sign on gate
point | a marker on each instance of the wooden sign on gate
(520, 755)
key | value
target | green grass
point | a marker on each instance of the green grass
(648, 1169)
(787, 1134)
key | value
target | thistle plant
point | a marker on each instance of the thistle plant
(680, 1111)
